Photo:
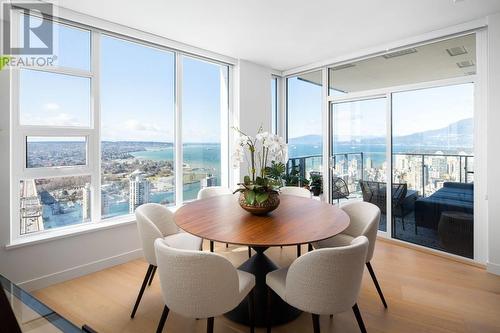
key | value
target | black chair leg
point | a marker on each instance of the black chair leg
(309, 247)
(210, 325)
(227, 245)
(211, 246)
(374, 278)
(163, 319)
(249, 252)
(315, 319)
(269, 309)
(152, 275)
(403, 222)
(141, 291)
(361, 324)
(298, 251)
(251, 311)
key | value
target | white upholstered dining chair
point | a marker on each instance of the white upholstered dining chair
(156, 221)
(365, 218)
(325, 281)
(199, 284)
(298, 192)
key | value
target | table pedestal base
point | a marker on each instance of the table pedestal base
(259, 265)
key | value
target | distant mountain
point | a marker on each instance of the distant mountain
(306, 140)
(458, 134)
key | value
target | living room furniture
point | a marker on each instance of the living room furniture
(403, 200)
(456, 233)
(156, 221)
(297, 191)
(21, 312)
(322, 282)
(365, 218)
(452, 197)
(300, 192)
(197, 284)
(340, 190)
(296, 221)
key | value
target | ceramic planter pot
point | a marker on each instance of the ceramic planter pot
(263, 208)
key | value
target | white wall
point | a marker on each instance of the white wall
(254, 96)
(252, 100)
(493, 144)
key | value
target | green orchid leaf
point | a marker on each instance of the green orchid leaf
(250, 197)
(261, 197)
(247, 180)
(265, 182)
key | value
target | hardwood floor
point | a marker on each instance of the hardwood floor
(425, 293)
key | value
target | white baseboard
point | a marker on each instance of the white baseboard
(493, 268)
(77, 271)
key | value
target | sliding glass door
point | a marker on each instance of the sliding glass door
(429, 177)
(433, 159)
(358, 152)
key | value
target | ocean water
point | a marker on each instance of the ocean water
(376, 153)
(196, 155)
(206, 156)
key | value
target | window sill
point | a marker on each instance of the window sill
(73, 231)
(69, 232)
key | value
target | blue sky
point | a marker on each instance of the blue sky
(413, 111)
(137, 91)
(137, 97)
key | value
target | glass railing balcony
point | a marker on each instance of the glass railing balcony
(422, 172)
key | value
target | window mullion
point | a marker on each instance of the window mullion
(94, 153)
(178, 131)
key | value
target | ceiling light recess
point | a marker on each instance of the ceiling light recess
(455, 51)
(399, 53)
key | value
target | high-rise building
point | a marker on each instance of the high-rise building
(104, 203)
(86, 202)
(209, 181)
(139, 190)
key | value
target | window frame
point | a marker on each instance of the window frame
(479, 81)
(275, 104)
(92, 133)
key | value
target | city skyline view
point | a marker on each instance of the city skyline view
(137, 124)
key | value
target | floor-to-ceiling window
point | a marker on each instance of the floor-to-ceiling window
(433, 162)
(137, 126)
(358, 157)
(304, 129)
(401, 136)
(52, 135)
(203, 98)
(98, 133)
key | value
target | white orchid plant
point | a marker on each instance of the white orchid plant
(260, 153)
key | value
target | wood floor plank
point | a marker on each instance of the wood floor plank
(425, 293)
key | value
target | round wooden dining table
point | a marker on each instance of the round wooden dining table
(296, 221)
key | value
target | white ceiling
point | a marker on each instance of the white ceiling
(283, 34)
(428, 62)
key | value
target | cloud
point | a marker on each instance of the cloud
(135, 125)
(58, 119)
(51, 106)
